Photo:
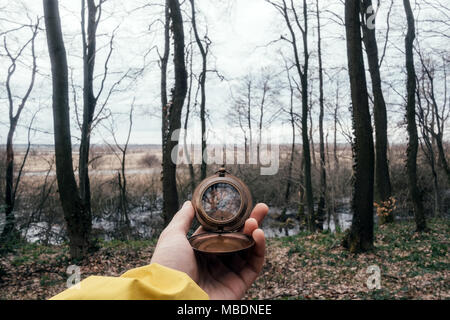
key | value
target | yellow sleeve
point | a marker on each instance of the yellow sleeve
(151, 282)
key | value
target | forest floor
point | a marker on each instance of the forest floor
(305, 266)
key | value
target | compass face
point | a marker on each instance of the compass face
(221, 201)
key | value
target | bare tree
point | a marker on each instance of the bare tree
(11, 186)
(203, 46)
(424, 113)
(382, 180)
(292, 122)
(360, 236)
(120, 152)
(440, 112)
(411, 163)
(242, 111)
(78, 219)
(90, 99)
(172, 119)
(321, 208)
(292, 19)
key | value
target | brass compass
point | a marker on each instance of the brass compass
(222, 203)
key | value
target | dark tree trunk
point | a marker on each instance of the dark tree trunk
(8, 230)
(305, 138)
(335, 118)
(411, 162)
(291, 160)
(382, 179)
(292, 121)
(323, 174)
(167, 207)
(186, 121)
(77, 217)
(164, 101)
(170, 193)
(89, 100)
(360, 235)
(202, 82)
(249, 157)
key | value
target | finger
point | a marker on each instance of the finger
(260, 245)
(250, 225)
(259, 212)
(199, 230)
(256, 259)
(183, 218)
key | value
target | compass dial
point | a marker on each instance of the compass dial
(221, 201)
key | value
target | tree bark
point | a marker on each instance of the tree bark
(382, 179)
(335, 118)
(186, 121)
(360, 236)
(202, 82)
(323, 174)
(411, 162)
(305, 138)
(77, 217)
(89, 100)
(170, 193)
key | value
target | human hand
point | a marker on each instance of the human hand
(219, 278)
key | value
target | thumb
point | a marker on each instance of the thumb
(183, 218)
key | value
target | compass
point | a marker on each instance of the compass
(222, 203)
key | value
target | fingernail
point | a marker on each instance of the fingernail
(186, 203)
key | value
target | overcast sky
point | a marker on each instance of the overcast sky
(243, 35)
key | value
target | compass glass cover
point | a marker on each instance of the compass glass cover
(221, 201)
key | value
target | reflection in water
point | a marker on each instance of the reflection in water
(221, 201)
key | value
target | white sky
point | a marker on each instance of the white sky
(240, 32)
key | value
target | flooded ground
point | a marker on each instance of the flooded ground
(148, 224)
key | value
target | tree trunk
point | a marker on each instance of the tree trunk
(77, 217)
(186, 121)
(360, 235)
(323, 175)
(202, 82)
(306, 149)
(332, 199)
(170, 193)
(411, 163)
(164, 100)
(382, 179)
(89, 100)
(335, 118)
(292, 121)
(8, 230)
(291, 160)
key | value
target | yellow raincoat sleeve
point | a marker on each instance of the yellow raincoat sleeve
(152, 282)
